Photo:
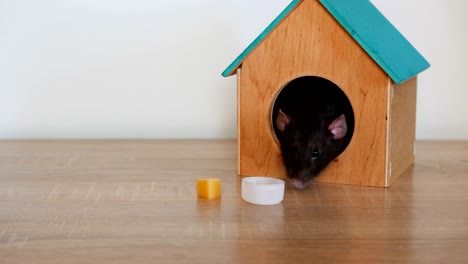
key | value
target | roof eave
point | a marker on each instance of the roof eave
(231, 69)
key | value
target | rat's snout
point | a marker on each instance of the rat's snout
(302, 180)
(298, 183)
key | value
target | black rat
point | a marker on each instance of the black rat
(313, 121)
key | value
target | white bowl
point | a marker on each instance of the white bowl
(262, 190)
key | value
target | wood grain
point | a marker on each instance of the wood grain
(135, 202)
(239, 121)
(311, 42)
(402, 120)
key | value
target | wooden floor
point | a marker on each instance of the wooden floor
(135, 202)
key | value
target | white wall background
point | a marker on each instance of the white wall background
(152, 69)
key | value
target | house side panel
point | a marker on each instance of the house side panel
(402, 128)
(239, 123)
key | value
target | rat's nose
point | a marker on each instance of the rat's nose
(298, 183)
(302, 179)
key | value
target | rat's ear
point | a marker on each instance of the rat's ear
(282, 120)
(338, 127)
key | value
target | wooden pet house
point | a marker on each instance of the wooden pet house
(350, 43)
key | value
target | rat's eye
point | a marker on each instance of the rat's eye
(315, 154)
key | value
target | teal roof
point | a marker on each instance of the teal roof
(376, 35)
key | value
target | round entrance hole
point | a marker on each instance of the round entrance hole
(312, 103)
